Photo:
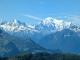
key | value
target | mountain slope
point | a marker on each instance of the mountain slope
(50, 33)
(65, 40)
(10, 45)
(5, 41)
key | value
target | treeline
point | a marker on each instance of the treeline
(43, 56)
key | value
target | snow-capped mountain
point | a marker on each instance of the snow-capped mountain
(50, 33)
(52, 24)
(15, 26)
(47, 24)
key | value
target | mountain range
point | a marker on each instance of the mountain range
(50, 34)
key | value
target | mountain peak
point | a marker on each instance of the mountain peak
(47, 20)
(48, 24)
(15, 21)
(55, 23)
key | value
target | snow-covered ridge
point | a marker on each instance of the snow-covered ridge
(49, 24)
(54, 24)
(16, 26)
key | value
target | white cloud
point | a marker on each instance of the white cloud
(33, 17)
(74, 19)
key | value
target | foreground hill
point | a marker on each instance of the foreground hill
(43, 56)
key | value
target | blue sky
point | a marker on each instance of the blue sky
(23, 10)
